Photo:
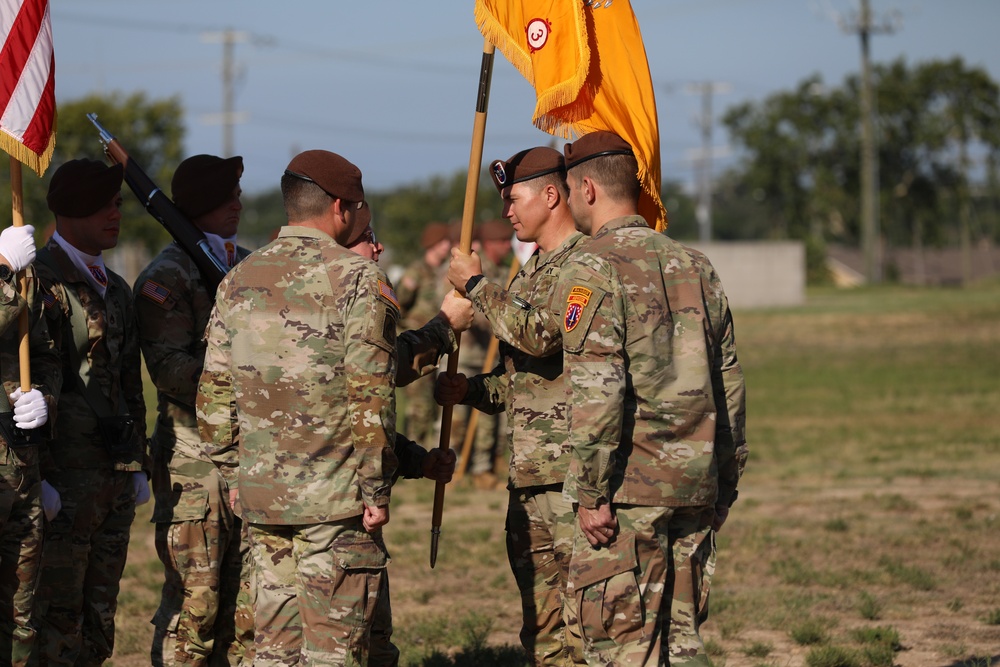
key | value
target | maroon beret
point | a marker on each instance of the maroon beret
(433, 234)
(81, 187)
(202, 183)
(595, 144)
(339, 178)
(526, 165)
(495, 230)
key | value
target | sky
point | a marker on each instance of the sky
(391, 85)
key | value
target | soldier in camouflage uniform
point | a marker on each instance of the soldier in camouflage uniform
(418, 353)
(297, 401)
(494, 240)
(419, 292)
(528, 382)
(20, 481)
(197, 532)
(657, 419)
(96, 458)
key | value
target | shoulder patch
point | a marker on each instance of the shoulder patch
(577, 300)
(48, 300)
(154, 291)
(386, 292)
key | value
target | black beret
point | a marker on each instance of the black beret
(595, 144)
(526, 165)
(81, 187)
(337, 176)
(202, 183)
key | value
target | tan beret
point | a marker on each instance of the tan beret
(338, 177)
(202, 183)
(495, 230)
(595, 144)
(433, 234)
(526, 165)
(81, 187)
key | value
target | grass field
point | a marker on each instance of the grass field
(868, 526)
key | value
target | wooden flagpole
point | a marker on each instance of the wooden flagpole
(465, 243)
(17, 204)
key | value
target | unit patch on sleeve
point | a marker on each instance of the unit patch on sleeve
(577, 300)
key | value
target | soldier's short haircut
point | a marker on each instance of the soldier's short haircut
(617, 174)
(303, 199)
(558, 179)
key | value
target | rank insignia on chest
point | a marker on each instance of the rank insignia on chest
(577, 300)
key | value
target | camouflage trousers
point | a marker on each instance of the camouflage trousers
(318, 588)
(641, 599)
(20, 550)
(83, 557)
(540, 525)
(205, 617)
(382, 652)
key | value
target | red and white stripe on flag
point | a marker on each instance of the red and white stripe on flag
(27, 82)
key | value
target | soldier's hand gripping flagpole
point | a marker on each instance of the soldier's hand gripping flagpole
(468, 218)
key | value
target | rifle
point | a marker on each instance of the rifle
(191, 239)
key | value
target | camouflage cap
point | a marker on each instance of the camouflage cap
(595, 144)
(81, 187)
(433, 234)
(338, 177)
(205, 182)
(526, 165)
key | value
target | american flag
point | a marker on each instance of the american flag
(27, 82)
(154, 291)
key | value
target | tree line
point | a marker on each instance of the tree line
(798, 176)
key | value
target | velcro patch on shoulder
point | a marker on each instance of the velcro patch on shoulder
(386, 292)
(576, 302)
(155, 292)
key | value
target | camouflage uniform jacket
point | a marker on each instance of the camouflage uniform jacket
(296, 403)
(528, 381)
(419, 293)
(11, 304)
(172, 306)
(46, 371)
(115, 362)
(657, 393)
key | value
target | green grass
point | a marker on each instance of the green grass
(875, 441)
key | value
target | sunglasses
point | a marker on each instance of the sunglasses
(368, 236)
(357, 205)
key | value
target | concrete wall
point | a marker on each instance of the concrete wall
(759, 274)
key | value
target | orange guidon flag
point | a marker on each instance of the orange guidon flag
(587, 63)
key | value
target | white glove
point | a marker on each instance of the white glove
(17, 245)
(51, 502)
(30, 409)
(141, 486)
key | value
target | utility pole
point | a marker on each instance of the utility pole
(703, 158)
(229, 117)
(862, 24)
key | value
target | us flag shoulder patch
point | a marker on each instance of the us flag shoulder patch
(48, 300)
(154, 291)
(387, 293)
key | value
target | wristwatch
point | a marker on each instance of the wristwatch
(7, 274)
(471, 283)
